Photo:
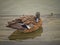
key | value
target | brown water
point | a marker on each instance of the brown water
(48, 34)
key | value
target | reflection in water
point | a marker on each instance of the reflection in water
(22, 36)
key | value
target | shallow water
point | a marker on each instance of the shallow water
(48, 34)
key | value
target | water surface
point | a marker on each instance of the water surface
(48, 34)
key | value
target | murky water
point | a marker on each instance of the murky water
(48, 33)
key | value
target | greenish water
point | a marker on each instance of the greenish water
(18, 7)
(49, 31)
(17, 35)
(48, 34)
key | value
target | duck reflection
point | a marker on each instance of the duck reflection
(22, 36)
